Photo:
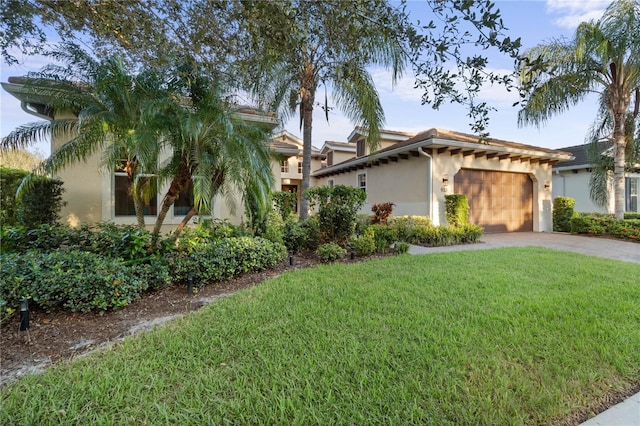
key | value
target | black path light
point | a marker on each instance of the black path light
(190, 283)
(24, 314)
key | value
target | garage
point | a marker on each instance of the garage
(498, 201)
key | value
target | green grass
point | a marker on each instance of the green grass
(506, 336)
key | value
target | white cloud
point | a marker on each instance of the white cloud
(573, 12)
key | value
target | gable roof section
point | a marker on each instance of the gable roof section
(580, 156)
(439, 141)
(337, 146)
(384, 134)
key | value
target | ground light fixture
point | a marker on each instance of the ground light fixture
(24, 314)
(190, 283)
(290, 258)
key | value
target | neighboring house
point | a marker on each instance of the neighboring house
(287, 166)
(571, 179)
(508, 184)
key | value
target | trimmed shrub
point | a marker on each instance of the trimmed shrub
(562, 213)
(366, 244)
(311, 227)
(632, 215)
(401, 248)
(445, 235)
(275, 228)
(384, 236)
(337, 210)
(73, 279)
(605, 224)
(294, 235)
(222, 259)
(381, 213)
(37, 205)
(206, 231)
(404, 225)
(330, 252)
(457, 209)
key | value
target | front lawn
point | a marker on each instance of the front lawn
(505, 336)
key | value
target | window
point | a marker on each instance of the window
(632, 186)
(184, 202)
(123, 199)
(330, 183)
(300, 167)
(362, 181)
(360, 151)
(329, 158)
(284, 166)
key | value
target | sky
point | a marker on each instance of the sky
(533, 21)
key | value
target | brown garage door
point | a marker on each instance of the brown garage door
(498, 201)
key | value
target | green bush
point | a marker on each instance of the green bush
(384, 237)
(311, 227)
(365, 245)
(284, 202)
(225, 258)
(428, 235)
(330, 252)
(457, 209)
(274, 231)
(401, 248)
(39, 204)
(404, 225)
(80, 281)
(294, 235)
(605, 224)
(631, 215)
(206, 231)
(562, 213)
(337, 210)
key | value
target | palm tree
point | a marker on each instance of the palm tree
(109, 105)
(304, 44)
(603, 58)
(213, 151)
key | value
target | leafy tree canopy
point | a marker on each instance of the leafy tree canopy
(446, 52)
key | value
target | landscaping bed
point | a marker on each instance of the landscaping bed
(62, 335)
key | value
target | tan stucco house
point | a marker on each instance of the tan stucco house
(571, 179)
(508, 184)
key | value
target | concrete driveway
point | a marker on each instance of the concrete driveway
(594, 246)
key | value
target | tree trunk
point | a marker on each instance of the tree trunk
(139, 208)
(308, 92)
(192, 212)
(619, 145)
(620, 105)
(178, 183)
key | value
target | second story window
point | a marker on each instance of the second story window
(284, 166)
(329, 158)
(360, 148)
(300, 167)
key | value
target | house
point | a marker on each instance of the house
(92, 195)
(287, 165)
(508, 184)
(571, 179)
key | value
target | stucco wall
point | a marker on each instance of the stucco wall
(576, 186)
(405, 184)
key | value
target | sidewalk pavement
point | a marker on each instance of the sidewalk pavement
(626, 413)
